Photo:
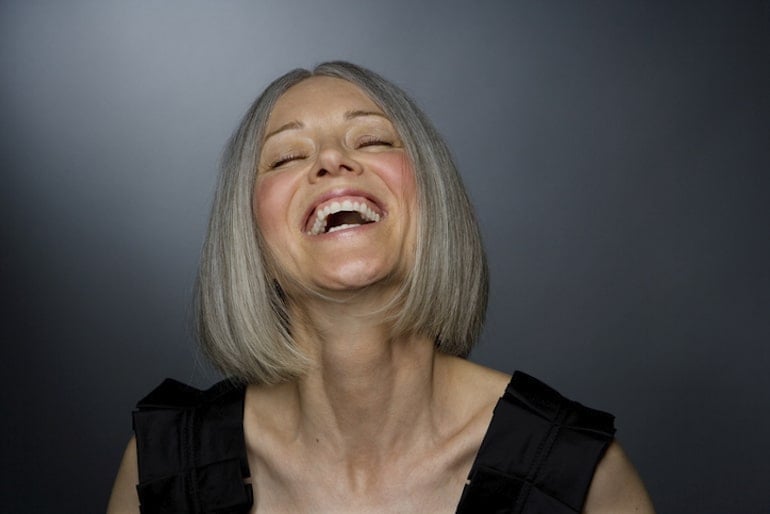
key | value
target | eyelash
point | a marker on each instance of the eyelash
(371, 141)
(284, 159)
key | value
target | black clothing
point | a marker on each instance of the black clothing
(190, 450)
(537, 457)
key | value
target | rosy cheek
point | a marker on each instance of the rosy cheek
(266, 207)
(402, 177)
(397, 171)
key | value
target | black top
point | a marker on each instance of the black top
(537, 457)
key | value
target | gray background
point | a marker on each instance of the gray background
(617, 153)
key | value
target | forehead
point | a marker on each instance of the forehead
(319, 96)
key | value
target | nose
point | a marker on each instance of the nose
(334, 160)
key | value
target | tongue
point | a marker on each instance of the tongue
(344, 218)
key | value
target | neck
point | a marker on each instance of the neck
(368, 394)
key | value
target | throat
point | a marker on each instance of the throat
(367, 390)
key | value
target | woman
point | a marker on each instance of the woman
(341, 285)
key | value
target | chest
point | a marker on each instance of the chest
(404, 485)
(538, 454)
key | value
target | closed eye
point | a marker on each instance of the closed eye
(284, 159)
(373, 141)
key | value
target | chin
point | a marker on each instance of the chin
(356, 276)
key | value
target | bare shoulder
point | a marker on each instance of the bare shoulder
(467, 393)
(616, 487)
(479, 385)
(124, 499)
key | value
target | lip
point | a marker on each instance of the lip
(339, 193)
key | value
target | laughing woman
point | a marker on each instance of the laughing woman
(342, 284)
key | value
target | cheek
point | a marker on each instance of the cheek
(400, 179)
(398, 173)
(270, 206)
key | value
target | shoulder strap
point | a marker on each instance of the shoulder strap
(538, 455)
(191, 450)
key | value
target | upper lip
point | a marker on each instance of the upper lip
(337, 193)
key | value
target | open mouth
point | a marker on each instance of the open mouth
(339, 215)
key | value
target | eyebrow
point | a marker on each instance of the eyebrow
(349, 115)
(292, 125)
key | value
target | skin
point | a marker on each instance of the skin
(334, 139)
(378, 424)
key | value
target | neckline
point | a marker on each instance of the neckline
(248, 476)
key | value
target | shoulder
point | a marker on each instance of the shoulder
(172, 394)
(187, 423)
(540, 437)
(123, 499)
(178, 430)
(467, 394)
(616, 487)
(470, 384)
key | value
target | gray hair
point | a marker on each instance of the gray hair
(242, 319)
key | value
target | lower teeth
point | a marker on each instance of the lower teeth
(340, 227)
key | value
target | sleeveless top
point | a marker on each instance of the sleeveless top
(538, 455)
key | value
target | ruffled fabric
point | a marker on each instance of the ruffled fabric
(191, 450)
(538, 455)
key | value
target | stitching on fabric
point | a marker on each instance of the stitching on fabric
(543, 451)
(509, 476)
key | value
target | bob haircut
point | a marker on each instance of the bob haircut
(242, 320)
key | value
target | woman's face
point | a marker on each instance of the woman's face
(335, 197)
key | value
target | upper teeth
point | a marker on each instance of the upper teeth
(322, 215)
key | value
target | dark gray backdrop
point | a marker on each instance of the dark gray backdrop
(617, 153)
